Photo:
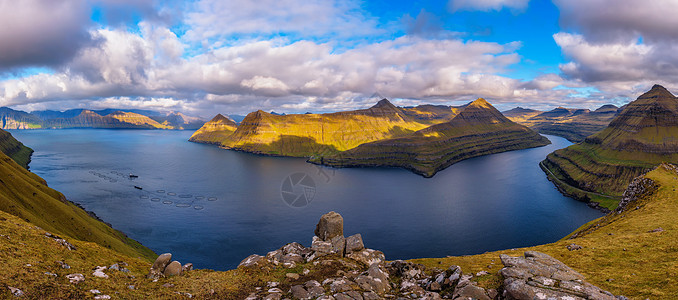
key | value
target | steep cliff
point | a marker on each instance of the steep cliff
(15, 149)
(641, 137)
(479, 129)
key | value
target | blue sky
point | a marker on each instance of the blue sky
(212, 56)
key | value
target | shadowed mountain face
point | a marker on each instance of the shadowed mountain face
(15, 149)
(641, 137)
(106, 118)
(479, 129)
(572, 124)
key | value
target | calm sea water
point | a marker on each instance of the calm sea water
(214, 207)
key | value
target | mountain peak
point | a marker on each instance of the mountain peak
(657, 91)
(480, 102)
(383, 103)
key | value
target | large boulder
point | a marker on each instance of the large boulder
(173, 269)
(539, 276)
(330, 225)
(159, 265)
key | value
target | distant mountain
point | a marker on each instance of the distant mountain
(15, 119)
(572, 124)
(641, 137)
(478, 129)
(520, 114)
(105, 118)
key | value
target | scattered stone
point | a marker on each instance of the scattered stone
(293, 276)
(330, 225)
(368, 256)
(102, 297)
(252, 261)
(173, 269)
(272, 284)
(187, 268)
(299, 292)
(16, 292)
(63, 264)
(114, 267)
(657, 230)
(50, 274)
(481, 273)
(573, 247)
(168, 285)
(99, 272)
(76, 278)
(131, 287)
(95, 291)
(539, 276)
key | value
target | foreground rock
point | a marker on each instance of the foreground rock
(344, 269)
(164, 267)
(539, 276)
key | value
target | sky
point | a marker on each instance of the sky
(204, 57)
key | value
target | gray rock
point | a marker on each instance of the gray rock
(573, 247)
(299, 292)
(63, 264)
(338, 244)
(330, 225)
(159, 265)
(251, 261)
(342, 297)
(368, 256)
(273, 296)
(354, 243)
(539, 276)
(186, 268)
(321, 247)
(471, 291)
(15, 291)
(354, 295)
(434, 286)
(173, 269)
(99, 272)
(370, 296)
(293, 276)
(115, 267)
(76, 278)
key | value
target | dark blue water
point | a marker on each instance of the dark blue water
(214, 207)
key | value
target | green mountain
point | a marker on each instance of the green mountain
(479, 129)
(15, 149)
(641, 137)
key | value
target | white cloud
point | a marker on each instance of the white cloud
(487, 5)
(619, 47)
(216, 18)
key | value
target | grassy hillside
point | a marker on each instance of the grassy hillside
(28, 197)
(215, 131)
(644, 135)
(479, 129)
(15, 149)
(620, 252)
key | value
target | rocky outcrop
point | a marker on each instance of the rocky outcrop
(359, 273)
(539, 276)
(165, 267)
